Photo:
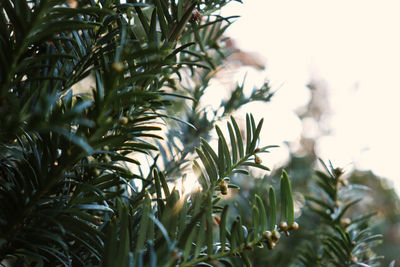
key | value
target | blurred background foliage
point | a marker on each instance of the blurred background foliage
(377, 193)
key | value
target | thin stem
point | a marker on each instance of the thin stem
(222, 254)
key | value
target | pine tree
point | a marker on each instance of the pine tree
(88, 177)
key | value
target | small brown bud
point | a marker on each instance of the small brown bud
(345, 222)
(124, 120)
(117, 66)
(271, 244)
(257, 150)
(338, 172)
(353, 258)
(275, 236)
(267, 235)
(223, 187)
(283, 226)
(294, 226)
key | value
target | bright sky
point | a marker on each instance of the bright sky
(354, 46)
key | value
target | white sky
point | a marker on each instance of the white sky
(354, 46)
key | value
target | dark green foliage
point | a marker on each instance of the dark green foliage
(67, 194)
